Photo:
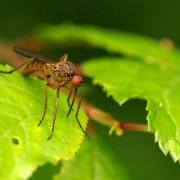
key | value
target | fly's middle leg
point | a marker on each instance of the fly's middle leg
(45, 106)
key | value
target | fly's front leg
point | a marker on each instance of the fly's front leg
(55, 113)
(69, 97)
(45, 106)
(15, 69)
(74, 97)
(79, 123)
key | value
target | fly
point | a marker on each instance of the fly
(57, 75)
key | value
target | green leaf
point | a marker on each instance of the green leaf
(47, 171)
(126, 78)
(150, 70)
(24, 146)
(128, 44)
(95, 160)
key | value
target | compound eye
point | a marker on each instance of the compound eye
(48, 76)
(76, 81)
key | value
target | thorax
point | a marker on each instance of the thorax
(59, 74)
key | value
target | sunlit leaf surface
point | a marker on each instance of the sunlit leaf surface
(24, 146)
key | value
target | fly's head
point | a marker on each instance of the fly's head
(62, 74)
(71, 74)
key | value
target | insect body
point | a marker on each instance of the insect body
(56, 75)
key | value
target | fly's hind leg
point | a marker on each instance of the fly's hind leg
(15, 69)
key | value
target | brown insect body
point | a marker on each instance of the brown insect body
(56, 75)
(59, 74)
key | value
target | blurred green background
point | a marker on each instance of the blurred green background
(141, 157)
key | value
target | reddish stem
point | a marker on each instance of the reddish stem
(115, 125)
(134, 127)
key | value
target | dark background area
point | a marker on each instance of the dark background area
(158, 19)
(153, 18)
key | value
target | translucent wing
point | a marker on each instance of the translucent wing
(31, 54)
